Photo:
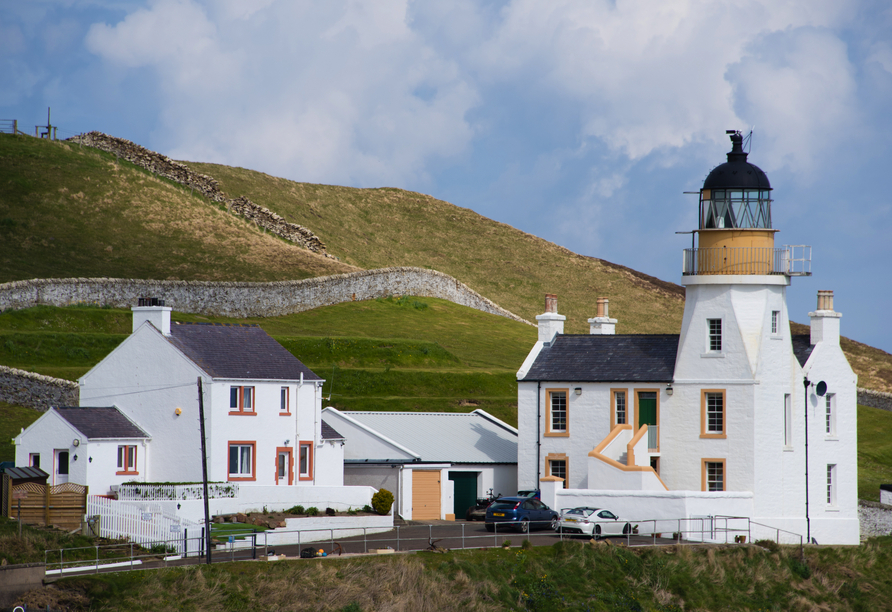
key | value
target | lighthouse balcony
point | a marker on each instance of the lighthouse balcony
(790, 260)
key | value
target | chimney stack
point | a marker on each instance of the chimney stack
(825, 320)
(154, 311)
(602, 324)
(550, 322)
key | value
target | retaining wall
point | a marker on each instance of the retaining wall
(875, 399)
(182, 174)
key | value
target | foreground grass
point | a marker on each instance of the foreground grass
(565, 576)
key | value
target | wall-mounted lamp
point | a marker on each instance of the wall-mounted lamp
(669, 389)
(75, 458)
(178, 411)
(178, 506)
(90, 459)
(578, 390)
(287, 442)
(76, 442)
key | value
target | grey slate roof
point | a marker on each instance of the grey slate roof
(101, 422)
(444, 436)
(26, 473)
(802, 347)
(607, 358)
(237, 351)
(330, 433)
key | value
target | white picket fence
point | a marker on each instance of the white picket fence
(145, 524)
(165, 492)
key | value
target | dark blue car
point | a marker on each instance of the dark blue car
(520, 513)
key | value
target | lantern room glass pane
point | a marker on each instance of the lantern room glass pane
(733, 208)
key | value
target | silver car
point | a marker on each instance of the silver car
(593, 522)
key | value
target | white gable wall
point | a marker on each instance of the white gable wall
(46, 435)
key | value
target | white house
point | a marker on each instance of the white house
(435, 464)
(262, 407)
(726, 418)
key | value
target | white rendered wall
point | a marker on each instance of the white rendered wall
(102, 470)
(330, 464)
(45, 435)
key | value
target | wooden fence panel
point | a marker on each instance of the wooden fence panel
(62, 505)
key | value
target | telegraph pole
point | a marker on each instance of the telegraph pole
(204, 475)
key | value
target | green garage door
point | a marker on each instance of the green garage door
(465, 491)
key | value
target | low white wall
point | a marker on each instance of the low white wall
(273, 498)
(318, 528)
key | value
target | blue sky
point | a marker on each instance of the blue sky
(580, 121)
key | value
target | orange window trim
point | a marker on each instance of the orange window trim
(613, 393)
(290, 468)
(635, 416)
(310, 466)
(704, 486)
(241, 402)
(253, 476)
(287, 411)
(129, 470)
(558, 457)
(557, 434)
(704, 419)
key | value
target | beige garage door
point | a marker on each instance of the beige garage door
(425, 495)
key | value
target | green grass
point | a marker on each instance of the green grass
(12, 420)
(569, 576)
(874, 451)
(222, 531)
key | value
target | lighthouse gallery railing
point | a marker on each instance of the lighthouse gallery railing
(790, 260)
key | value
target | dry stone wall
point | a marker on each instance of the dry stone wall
(179, 173)
(243, 299)
(875, 399)
(24, 388)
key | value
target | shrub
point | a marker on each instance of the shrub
(506, 543)
(298, 509)
(526, 544)
(312, 511)
(769, 545)
(367, 508)
(382, 501)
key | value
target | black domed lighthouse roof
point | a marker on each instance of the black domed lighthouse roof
(737, 173)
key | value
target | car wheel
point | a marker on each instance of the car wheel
(627, 529)
(597, 532)
(490, 527)
(555, 526)
(524, 526)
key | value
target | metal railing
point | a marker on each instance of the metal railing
(165, 492)
(790, 260)
(460, 535)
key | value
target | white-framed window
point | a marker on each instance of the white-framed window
(620, 407)
(285, 400)
(830, 415)
(775, 322)
(715, 412)
(241, 460)
(241, 400)
(831, 484)
(127, 459)
(788, 420)
(714, 329)
(305, 461)
(557, 416)
(34, 460)
(713, 474)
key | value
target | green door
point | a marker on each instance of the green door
(647, 408)
(465, 492)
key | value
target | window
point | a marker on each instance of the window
(62, 463)
(788, 421)
(830, 415)
(831, 485)
(712, 413)
(715, 334)
(618, 407)
(284, 404)
(775, 322)
(556, 412)
(242, 460)
(34, 460)
(127, 460)
(305, 461)
(713, 475)
(241, 400)
(556, 465)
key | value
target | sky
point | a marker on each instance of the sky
(580, 121)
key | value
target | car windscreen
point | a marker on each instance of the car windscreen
(500, 505)
(581, 511)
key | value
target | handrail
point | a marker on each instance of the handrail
(789, 260)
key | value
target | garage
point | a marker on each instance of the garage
(425, 495)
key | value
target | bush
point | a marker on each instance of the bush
(298, 509)
(382, 501)
(526, 544)
(312, 511)
(769, 545)
(367, 508)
